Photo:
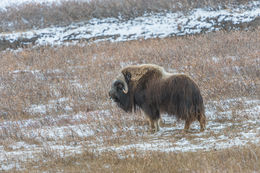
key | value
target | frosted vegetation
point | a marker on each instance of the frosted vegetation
(51, 132)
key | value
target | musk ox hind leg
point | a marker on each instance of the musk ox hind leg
(202, 120)
(187, 125)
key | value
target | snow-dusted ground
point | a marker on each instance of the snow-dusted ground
(53, 137)
(148, 26)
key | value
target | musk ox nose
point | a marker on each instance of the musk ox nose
(112, 94)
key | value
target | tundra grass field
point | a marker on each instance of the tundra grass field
(56, 115)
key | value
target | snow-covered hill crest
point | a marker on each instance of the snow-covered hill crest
(148, 26)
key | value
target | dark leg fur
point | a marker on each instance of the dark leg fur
(154, 117)
(187, 125)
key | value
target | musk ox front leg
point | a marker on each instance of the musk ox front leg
(154, 124)
(153, 114)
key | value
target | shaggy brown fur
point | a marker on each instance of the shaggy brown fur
(155, 91)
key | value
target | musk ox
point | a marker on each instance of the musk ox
(156, 91)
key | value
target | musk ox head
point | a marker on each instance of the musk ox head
(130, 79)
(119, 92)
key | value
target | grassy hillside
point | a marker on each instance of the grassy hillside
(225, 65)
(47, 92)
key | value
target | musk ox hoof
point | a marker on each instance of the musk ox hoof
(202, 129)
(156, 129)
(152, 131)
(185, 131)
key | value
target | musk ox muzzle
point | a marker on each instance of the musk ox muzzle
(155, 91)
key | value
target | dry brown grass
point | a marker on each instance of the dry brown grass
(225, 66)
(43, 15)
(236, 159)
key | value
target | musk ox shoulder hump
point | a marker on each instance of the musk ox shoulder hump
(138, 71)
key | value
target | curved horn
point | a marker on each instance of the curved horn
(121, 77)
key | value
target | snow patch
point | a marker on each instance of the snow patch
(49, 137)
(148, 26)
